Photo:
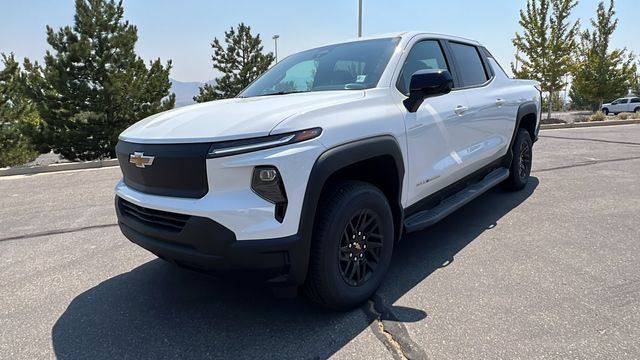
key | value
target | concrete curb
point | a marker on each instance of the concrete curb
(589, 124)
(58, 167)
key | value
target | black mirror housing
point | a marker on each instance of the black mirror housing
(425, 84)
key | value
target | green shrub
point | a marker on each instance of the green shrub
(15, 149)
(33, 128)
(15, 114)
(598, 116)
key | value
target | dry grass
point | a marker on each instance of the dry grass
(598, 116)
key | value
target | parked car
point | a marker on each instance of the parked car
(627, 104)
(313, 173)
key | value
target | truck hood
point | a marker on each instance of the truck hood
(231, 118)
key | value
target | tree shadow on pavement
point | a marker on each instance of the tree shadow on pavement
(159, 311)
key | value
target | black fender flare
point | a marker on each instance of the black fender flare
(526, 108)
(333, 160)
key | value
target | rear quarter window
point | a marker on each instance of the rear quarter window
(493, 60)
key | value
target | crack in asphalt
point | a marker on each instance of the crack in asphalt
(391, 331)
(589, 139)
(56, 232)
(586, 163)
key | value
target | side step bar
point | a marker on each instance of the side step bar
(426, 218)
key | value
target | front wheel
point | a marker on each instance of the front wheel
(351, 246)
(521, 163)
(605, 111)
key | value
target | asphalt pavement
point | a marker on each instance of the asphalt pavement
(548, 272)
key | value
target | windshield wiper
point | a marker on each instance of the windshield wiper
(284, 93)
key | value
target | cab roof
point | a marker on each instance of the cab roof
(407, 35)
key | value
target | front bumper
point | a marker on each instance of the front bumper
(230, 200)
(201, 244)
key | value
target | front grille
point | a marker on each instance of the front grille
(178, 170)
(155, 218)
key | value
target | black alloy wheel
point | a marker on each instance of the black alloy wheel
(352, 245)
(525, 160)
(360, 248)
(520, 169)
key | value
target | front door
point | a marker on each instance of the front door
(432, 158)
(619, 105)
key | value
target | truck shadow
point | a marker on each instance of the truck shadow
(159, 311)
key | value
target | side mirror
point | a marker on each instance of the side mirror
(427, 83)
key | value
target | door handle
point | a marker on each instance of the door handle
(460, 110)
(500, 102)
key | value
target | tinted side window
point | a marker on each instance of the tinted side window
(424, 55)
(635, 100)
(469, 64)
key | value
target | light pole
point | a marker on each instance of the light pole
(275, 40)
(359, 18)
(566, 90)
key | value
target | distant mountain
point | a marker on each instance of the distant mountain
(185, 91)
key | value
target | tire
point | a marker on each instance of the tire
(605, 111)
(343, 272)
(637, 110)
(521, 164)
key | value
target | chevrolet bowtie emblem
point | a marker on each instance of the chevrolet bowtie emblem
(140, 160)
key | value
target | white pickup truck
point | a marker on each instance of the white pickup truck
(628, 104)
(313, 173)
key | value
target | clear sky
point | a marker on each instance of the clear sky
(183, 30)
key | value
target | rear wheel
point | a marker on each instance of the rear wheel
(352, 246)
(521, 163)
(637, 110)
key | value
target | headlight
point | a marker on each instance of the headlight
(236, 147)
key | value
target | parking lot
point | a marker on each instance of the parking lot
(549, 272)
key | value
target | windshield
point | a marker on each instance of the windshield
(349, 66)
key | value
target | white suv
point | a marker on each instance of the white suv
(316, 170)
(628, 104)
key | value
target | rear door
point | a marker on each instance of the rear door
(481, 135)
(624, 105)
(634, 104)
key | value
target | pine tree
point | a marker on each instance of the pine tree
(15, 113)
(241, 62)
(546, 44)
(601, 74)
(93, 85)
